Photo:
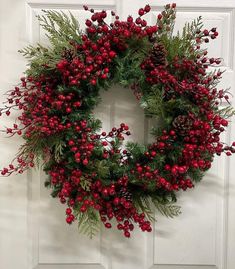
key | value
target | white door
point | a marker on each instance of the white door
(33, 233)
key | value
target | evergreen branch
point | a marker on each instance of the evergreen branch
(60, 27)
(89, 222)
(143, 204)
(195, 174)
(102, 168)
(166, 209)
(62, 31)
(85, 183)
(226, 112)
(58, 152)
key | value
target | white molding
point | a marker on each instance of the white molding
(70, 2)
(192, 3)
(188, 266)
(70, 5)
(69, 266)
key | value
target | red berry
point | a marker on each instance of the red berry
(105, 191)
(77, 155)
(126, 127)
(116, 201)
(127, 234)
(147, 8)
(139, 169)
(112, 54)
(69, 219)
(83, 209)
(68, 110)
(88, 23)
(77, 104)
(108, 225)
(141, 12)
(120, 226)
(68, 211)
(93, 82)
(105, 143)
(130, 19)
(85, 162)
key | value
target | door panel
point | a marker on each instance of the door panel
(33, 233)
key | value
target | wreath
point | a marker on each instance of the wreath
(94, 172)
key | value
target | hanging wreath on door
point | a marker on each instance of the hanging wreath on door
(95, 173)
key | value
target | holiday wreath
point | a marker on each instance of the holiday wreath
(98, 176)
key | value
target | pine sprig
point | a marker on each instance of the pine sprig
(58, 151)
(189, 35)
(226, 112)
(60, 28)
(85, 183)
(62, 31)
(89, 222)
(143, 204)
(166, 209)
(182, 44)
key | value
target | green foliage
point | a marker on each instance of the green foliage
(58, 151)
(147, 204)
(108, 170)
(226, 112)
(167, 209)
(136, 149)
(196, 175)
(88, 222)
(152, 102)
(37, 146)
(102, 168)
(55, 191)
(62, 30)
(127, 66)
(143, 204)
(85, 183)
(182, 44)
(189, 36)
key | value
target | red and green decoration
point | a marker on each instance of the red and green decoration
(98, 176)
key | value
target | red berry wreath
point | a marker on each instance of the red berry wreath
(93, 172)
